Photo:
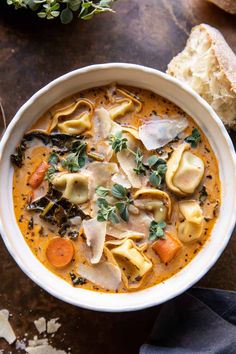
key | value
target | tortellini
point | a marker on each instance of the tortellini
(155, 201)
(121, 108)
(184, 171)
(76, 126)
(192, 227)
(131, 260)
(74, 186)
(71, 123)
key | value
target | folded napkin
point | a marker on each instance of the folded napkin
(199, 321)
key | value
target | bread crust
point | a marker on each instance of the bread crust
(225, 61)
(224, 54)
(226, 5)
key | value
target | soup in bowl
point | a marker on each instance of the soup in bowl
(117, 191)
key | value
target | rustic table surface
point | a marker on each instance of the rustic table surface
(34, 52)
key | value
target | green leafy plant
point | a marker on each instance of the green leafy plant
(106, 211)
(112, 212)
(65, 9)
(77, 159)
(194, 138)
(53, 160)
(156, 166)
(156, 230)
(117, 142)
(158, 170)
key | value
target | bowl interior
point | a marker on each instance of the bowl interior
(167, 87)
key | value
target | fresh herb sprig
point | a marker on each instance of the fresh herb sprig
(106, 211)
(194, 139)
(156, 166)
(53, 160)
(158, 169)
(118, 143)
(120, 208)
(77, 159)
(156, 230)
(65, 9)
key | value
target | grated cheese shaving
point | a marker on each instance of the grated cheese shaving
(6, 330)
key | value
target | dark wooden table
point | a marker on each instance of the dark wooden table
(34, 52)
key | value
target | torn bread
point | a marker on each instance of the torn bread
(226, 5)
(208, 65)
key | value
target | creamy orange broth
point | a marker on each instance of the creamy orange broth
(152, 104)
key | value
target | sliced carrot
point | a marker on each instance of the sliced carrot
(38, 175)
(60, 252)
(167, 248)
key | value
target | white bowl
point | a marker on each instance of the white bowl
(176, 92)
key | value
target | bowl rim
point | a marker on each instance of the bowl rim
(126, 66)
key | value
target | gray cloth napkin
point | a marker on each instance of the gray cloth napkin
(199, 321)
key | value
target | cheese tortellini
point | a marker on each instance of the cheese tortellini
(134, 263)
(155, 201)
(192, 227)
(130, 258)
(68, 122)
(184, 171)
(76, 126)
(121, 108)
(74, 186)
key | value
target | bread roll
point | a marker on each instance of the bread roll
(208, 65)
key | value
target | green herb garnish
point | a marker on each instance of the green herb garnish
(156, 230)
(102, 191)
(111, 212)
(65, 9)
(106, 212)
(158, 169)
(117, 142)
(53, 160)
(122, 208)
(118, 191)
(194, 138)
(141, 167)
(77, 159)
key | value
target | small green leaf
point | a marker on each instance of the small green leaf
(42, 14)
(102, 191)
(66, 16)
(152, 160)
(53, 159)
(117, 142)
(113, 217)
(194, 138)
(123, 210)
(141, 168)
(101, 202)
(156, 230)
(155, 179)
(118, 191)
